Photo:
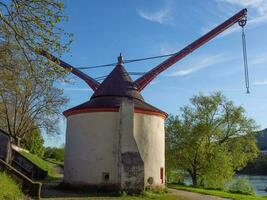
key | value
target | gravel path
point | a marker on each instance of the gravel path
(194, 196)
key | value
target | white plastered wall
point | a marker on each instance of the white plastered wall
(91, 148)
(150, 138)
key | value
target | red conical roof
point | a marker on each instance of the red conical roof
(112, 91)
(118, 83)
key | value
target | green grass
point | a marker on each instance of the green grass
(9, 190)
(217, 193)
(59, 163)
(45, 165)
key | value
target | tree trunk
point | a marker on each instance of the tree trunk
(194, 179)
(18, 141)
(193, 175)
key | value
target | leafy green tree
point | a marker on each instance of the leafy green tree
(34, 24)
(28, 96)
(210, 140)
(34, 142)
(28, 99)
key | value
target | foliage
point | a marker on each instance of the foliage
(256, 167)
(28, 96)
(241, 186)
(33, 24)
(259, 165)
(55, 153)
(218, 193)
(52, 173)
(261, 137)
(34, 142)
(176, 176)
(29, 99)
(9, 189)
(210, 140)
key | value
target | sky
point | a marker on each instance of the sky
(102, 29)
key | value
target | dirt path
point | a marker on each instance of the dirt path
(194, 196)
(50, 191)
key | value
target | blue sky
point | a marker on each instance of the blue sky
(102, 29)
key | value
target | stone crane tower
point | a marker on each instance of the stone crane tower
(116, 140)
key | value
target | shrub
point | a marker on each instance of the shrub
(241, 186)
(176, 176)
(55, 153)
(9, 190)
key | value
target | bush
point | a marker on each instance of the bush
(176, 176)
(241, 186)
(9, 190)
(55, 153)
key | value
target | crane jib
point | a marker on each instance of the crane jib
(143, 81)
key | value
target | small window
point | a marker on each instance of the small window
(105, 176)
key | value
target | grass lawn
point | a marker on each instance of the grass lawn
(45, 165)
(59, 163)
(9, 190)
(218, 193)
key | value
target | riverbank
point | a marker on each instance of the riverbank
(217, 193)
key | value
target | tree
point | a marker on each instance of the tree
(34, 142)
(210, 140)
(56, 153)
(28, 99)
(34, 24)
(28, 95)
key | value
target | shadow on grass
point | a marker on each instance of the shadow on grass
(59, 190)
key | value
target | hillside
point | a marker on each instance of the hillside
(261, 137)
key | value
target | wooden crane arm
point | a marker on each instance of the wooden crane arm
(89, 80)
(143, 81)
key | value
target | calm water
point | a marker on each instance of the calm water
(259, 183)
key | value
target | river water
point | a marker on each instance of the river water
(259, 183)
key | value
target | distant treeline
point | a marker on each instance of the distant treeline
(258, 166)
(261, 137)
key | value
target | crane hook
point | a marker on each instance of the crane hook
(242, 23)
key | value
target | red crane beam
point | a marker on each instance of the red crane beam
(89, 80)
(143, 81)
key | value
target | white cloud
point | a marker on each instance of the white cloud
(201, 63)
(264, 82)
(168, 48)
(259, 59)
(77, 89)
(162, 16)
(258, 6)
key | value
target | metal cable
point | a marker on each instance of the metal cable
(245, 59)
(127, 61)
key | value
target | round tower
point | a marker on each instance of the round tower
(115, 140)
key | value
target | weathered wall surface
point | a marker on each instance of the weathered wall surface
(5, 146)
(150, 138)
(131, 166)
(126, 146)
(91, 149)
